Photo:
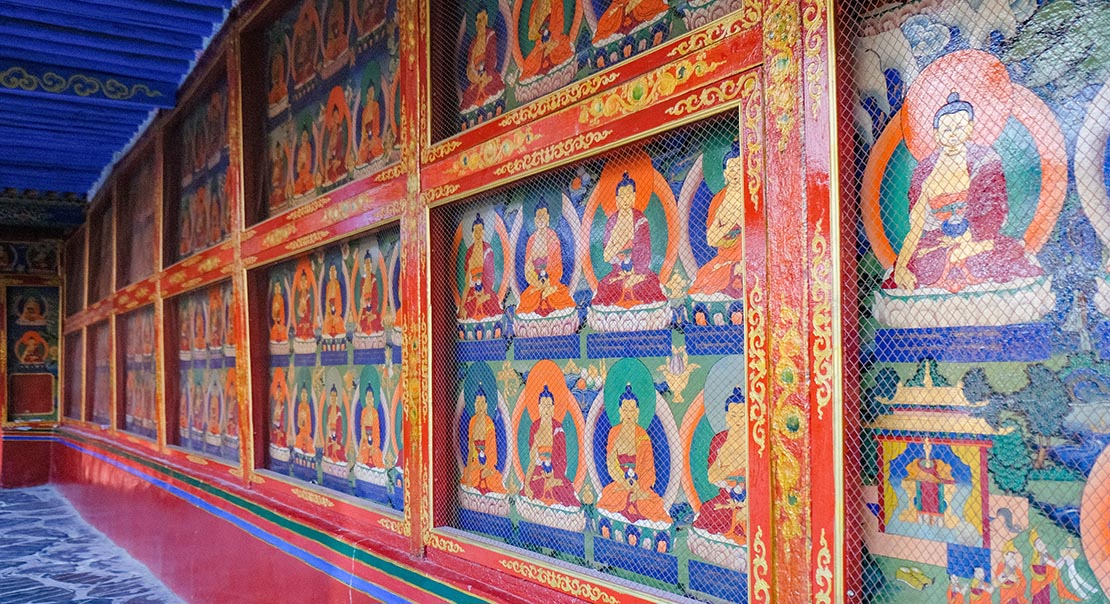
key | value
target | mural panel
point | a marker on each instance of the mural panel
(333, 104)
(136, 236)
(980, 135)
(208, 403)
(600, 414)
(138, 392)
(100, 254)
(98, 375)
(204, 209)
(33, 329)
(335, 354)
(74, 375)
(74, 273)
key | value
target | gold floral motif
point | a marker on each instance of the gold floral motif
(813, 21)
(761, 589)
(315, 498)
(279, 235)
(210, 263)
(753, 138)
(444, 545)
(647, 89)
(757, 367)
(192, 260)
(192, 282)
(822, 577)
(307, 240)
(81, 85)
(556, 152)
(438, 193)
(391, 172)
(781, 37)
(492, 152)
(308, 208)
(558, 100)
(250, 260)
(390, 524)
(432, 154)
(820, 274)
(142, 292)
(559, 581)
(197, 460)
(723, 28)
(346, 208)
(724, 92)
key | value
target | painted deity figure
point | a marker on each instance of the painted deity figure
(484, 79)
(371, 147)
(1044, 574)
(334, 322)
(369, 15)
(957, 591)
(724, 273)
(337, 42)
(305, 181)
(625, 16)
(369, 318)
(279, 329)
(31, 313)
(547, 479)
(958, 205)
(306, 43)
(929, 480)
(725, 514)
(280, 189)
(1009, 576)
(481, 473)
(631, 282)
(630, 458)
(279, 90)
(231, 403)
(543, 270)
(337, 132)
(31, 349)
(551, 46)
(979, 590)
(303, 440)
(279, 400)
(479, 296)
(306, 324)
(335, 440)
(370, 445)
(214, 423)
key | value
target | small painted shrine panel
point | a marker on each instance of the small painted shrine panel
(137, 353)
(203, 207)
(335, 354)
(29, 258)
(74, 371)
(33, 329)
(333, 102)
(506, 54)
(980, 173)
(599, 411)
(208, 397)
(136, 235)
(98, 375)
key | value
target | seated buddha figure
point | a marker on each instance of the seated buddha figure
(279, 401)
(303, 440)
(369, 444)
(370, 147)
(280, 187)
(484, 82)
(552, 47)
(369, 316)
(336, 31)
(631, 282)
(630, 458)
(958, 205)
(305, 180)
(724, 273)
(547, 454)
(479, 295)
(625, 16)
(337, 128)
(305, 326)
(334, 321)
(279, 328)
(335, 437)
(543, 270)
(726, 514)
(306, 43)
(279, 89)
(480, 472)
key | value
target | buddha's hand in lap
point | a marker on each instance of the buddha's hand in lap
(903, 278)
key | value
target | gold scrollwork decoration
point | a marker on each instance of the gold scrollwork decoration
(723, 28)
(308, 208)
(558, 100)
(556, 152)
(753, 138)
(307, 240)
(820, 275)
(315, 498)
(559, 581)
(279, 235)
(493, 151)
(437, 193)
(761, 589)
(346, 208)
(757, 367)
(444, 545)
(209, 264)
(177, 277)
(197, 460)
(822, 577)
(390, 525)
(728, 90)
(437, 152)
(192, 282)
(81, 84)
(647, 89)
(391, 172)
(781, 37)
(813, 21)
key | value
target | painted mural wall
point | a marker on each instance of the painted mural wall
(100, 253)
(74, 273)
(74, 369)
(509, 53)
(33, 329)
(204, 215)
(137, 353)
(335, 353)
(600, 414)
(136, 237)
(207, 404)
(334, 97)
(981, 174)
(98, 375)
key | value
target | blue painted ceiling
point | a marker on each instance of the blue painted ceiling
(78, 78)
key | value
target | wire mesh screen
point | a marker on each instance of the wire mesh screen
(500, 55)
(335, 352)
(208, 407)
(333, 107)
(75, 273)
(137, 354)
(101, 259)
(73, 372)
(982, 300)
(136, 235)
(599, 414)
(98, 375)
(204, 216)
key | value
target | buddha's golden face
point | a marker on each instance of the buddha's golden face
(479, 233)
(626, 196)
(953, 129)
(547, 408)
(542, 219)
(736, 417)
(630, 411)
(480, 404)
(734, 171)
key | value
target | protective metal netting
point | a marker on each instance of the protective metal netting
(100, 253)
(595, 372)
(98, 375)
(136, 233)
(976, 376)
(335, 415)
(138, 389)
(74, 272)
(72, 374)
(202, 209)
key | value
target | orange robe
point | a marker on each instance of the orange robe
(542, 270)
(480, 299)
(1044, 577)
(482, 458)
(724, 514)
(1011, 591)
(371, 148)
(623, 16)
(546, 22)
(618, 496)
(369, 450)
(279, 331)
(333, 318)
(719, 275)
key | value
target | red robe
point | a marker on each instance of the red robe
(483, 61)
(618, 19)
(551, 263)
(611, 290)
(552, 45)
(556, 455)
(724, 514)
(719, 275)
(489, 307)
